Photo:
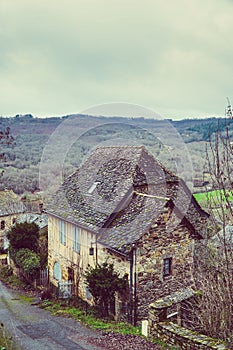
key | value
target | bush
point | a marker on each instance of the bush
(28, 260)
(5, 272)
(103, 282)
(24, 235)
(7, 276)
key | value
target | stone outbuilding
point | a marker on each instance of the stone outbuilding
(125, 207)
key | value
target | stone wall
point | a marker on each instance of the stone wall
(186, 339)
(158, 244)
(173, 333)
(148, 254)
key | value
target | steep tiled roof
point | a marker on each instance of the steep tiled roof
(118, 192)
(10, 203)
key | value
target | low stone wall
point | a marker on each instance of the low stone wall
(186, 339)
(174, 333)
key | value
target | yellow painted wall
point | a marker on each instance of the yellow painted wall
(68, 258)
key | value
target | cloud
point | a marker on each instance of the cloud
(60, 57)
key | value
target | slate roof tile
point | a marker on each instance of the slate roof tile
(118, 192)
(10, 203)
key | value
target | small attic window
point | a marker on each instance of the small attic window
(93, 187)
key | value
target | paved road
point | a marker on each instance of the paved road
(33, 328)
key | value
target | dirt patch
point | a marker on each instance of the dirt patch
(115, 341)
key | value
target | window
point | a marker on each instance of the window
(76, 245)
(13, 221)
(62, 233)
(88, 294)
(2, 225)
(93, 187)
(70, 274)
(57, 271)
(167, 267)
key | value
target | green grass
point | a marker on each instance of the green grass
(64, 309)
(58, 308)
(214, 197)
(27, 299)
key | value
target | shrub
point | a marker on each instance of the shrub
(24, 235)
(28, 260)
(103, 282)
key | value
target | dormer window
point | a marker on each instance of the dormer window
(93, 187)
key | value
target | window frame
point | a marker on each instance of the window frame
(167, 266)
(93, 187)
(62, 229)
(76, 239)
(57, 273)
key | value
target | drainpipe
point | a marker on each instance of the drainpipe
(135, 289)
(132, 285)
(96, 251)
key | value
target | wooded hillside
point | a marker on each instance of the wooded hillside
(21, 164)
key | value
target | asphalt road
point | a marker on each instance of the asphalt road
(33, 328)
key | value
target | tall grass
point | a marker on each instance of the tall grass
(6, 342)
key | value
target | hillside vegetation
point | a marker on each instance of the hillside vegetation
(22, 161)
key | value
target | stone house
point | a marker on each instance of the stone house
(125, 207)
(11, 209)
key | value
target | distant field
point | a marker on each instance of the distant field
(215, 197)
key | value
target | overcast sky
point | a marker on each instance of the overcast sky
(63, 56)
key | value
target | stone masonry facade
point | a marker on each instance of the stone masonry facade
(152, 249)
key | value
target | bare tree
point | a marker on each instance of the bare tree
(214, 263)
(212, 310)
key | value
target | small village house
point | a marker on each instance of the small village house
(125, 207)
(11, 209)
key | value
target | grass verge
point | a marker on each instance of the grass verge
(62, 309)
